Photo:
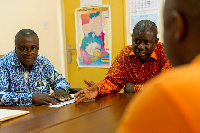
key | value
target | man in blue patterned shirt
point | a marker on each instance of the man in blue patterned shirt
(26, 77)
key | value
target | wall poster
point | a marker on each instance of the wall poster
(93, 36)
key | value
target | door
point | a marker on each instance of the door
(77, 75)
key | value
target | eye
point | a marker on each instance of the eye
(137, 41)
(22, 48)
(34, 48)
(146, 42)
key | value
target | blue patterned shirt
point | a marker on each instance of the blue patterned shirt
(17, 85)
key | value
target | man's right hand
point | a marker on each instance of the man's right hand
(88, 93)
(45, 99)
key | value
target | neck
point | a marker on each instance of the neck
(143, 61)
(28, 68)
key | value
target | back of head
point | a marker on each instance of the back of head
(190, 12)
(181, 30)
(24, 33)
(145, 26)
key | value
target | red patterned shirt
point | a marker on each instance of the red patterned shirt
(128, 69)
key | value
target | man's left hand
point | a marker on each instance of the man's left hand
(129, 88)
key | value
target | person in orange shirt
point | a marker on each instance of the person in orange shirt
(170, 102)
(133, 66)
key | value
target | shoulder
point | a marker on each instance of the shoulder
(127, 50)
(159, 46)
(167, 95)
(123, 54)
(160, 51)
(176, 77)
(42, 61)
(8, 59)
(171, 83)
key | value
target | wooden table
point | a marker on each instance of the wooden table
(100, 115)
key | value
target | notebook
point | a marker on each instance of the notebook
(6, 114)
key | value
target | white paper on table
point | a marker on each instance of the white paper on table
(72, 95)
(63, 103)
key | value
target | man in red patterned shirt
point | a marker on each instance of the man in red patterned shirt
(133, 66)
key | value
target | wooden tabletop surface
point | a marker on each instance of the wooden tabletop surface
(100, 115)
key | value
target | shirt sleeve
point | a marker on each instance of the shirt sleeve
(56, 79)
(114, 80)
(12, 98)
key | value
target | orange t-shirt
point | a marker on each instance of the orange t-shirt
(170, 103)
(128, 69)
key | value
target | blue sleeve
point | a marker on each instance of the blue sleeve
(57, 80)
(11, 98)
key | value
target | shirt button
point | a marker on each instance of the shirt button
(142, 65)
(142, 78)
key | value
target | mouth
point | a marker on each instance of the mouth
(28, 58)
(141, 53)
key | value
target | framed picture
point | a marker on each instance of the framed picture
(93, 36)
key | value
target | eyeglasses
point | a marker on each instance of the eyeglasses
(25, 50)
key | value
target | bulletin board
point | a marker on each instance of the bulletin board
(93, 36)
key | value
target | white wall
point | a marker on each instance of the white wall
(45, 17)
(160, 33)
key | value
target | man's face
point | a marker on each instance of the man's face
(27, 50)
(143, 44)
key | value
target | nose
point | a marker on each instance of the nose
(141, 46)
(28, 51)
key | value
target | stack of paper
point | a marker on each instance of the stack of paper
(6, 114)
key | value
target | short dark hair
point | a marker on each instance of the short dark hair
(144, 26)
(24, 33)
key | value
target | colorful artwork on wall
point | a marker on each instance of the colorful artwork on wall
(93, 36)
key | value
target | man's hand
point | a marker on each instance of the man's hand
(62, 95)
(45, 99)
(129, 88)
(88, 93)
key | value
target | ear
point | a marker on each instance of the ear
(178, 25)
(156, 40)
